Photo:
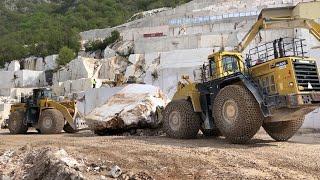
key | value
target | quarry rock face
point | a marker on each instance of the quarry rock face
(112, 66)
(40, 64)
(78, 68)
(134, 105)
(124, 48)
(50, 62)
(138, 67)
(14, 66)
(22, 79)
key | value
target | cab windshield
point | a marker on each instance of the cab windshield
(230, 64)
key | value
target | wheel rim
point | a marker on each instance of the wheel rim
(230, 111)
(174, 120)
(47, 122)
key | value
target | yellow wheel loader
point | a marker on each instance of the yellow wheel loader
(274, 87)
(44, 114)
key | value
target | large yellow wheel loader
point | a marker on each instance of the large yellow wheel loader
(44, 114)
(274, 87)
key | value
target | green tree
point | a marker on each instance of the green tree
(65, 56)
(41, 28)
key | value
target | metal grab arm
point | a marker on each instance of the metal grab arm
(300, 16)
(279, 23)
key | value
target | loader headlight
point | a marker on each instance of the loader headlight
(291, 84)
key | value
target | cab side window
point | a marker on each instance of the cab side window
(213, 69)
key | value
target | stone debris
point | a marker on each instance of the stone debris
(45, 163)
(6, 156)
(133, 106)
(115, 171)
(50, 163)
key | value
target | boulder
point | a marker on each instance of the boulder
(124, 48)
(77, 69)
(135, 58)
(108, 53)
(134, 106)
(112, 66)
(93, 98)
(138, 69)
(50, 62)
(152, 71)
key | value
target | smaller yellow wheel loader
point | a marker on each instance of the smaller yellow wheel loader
(44, 114)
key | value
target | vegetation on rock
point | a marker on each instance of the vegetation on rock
(100, 45)
(43, 27)
(65, 56)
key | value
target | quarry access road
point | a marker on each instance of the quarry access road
(202, 158)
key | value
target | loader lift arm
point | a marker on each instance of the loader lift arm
(283, 18)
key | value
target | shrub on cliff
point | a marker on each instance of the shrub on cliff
(65, 56)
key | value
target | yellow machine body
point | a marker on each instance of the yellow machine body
(67, 108)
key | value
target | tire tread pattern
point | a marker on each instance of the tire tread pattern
(283, 130)
(58, 121)
(249, 119)
(190, 120)
(20, 127)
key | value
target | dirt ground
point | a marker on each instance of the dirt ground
(202, 158)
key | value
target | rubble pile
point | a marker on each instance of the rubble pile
(135, 105)
(45, 163)
(53, 163)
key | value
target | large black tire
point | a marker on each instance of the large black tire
(51, 122)
(237, 114)
(16, 123)
(68, 129)
(283, 130)
(180, 120)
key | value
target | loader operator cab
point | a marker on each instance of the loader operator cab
(223, 64)
(37, 94)
(33, 103)
(42, 93)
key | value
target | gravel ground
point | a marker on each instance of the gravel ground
(202, 158)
